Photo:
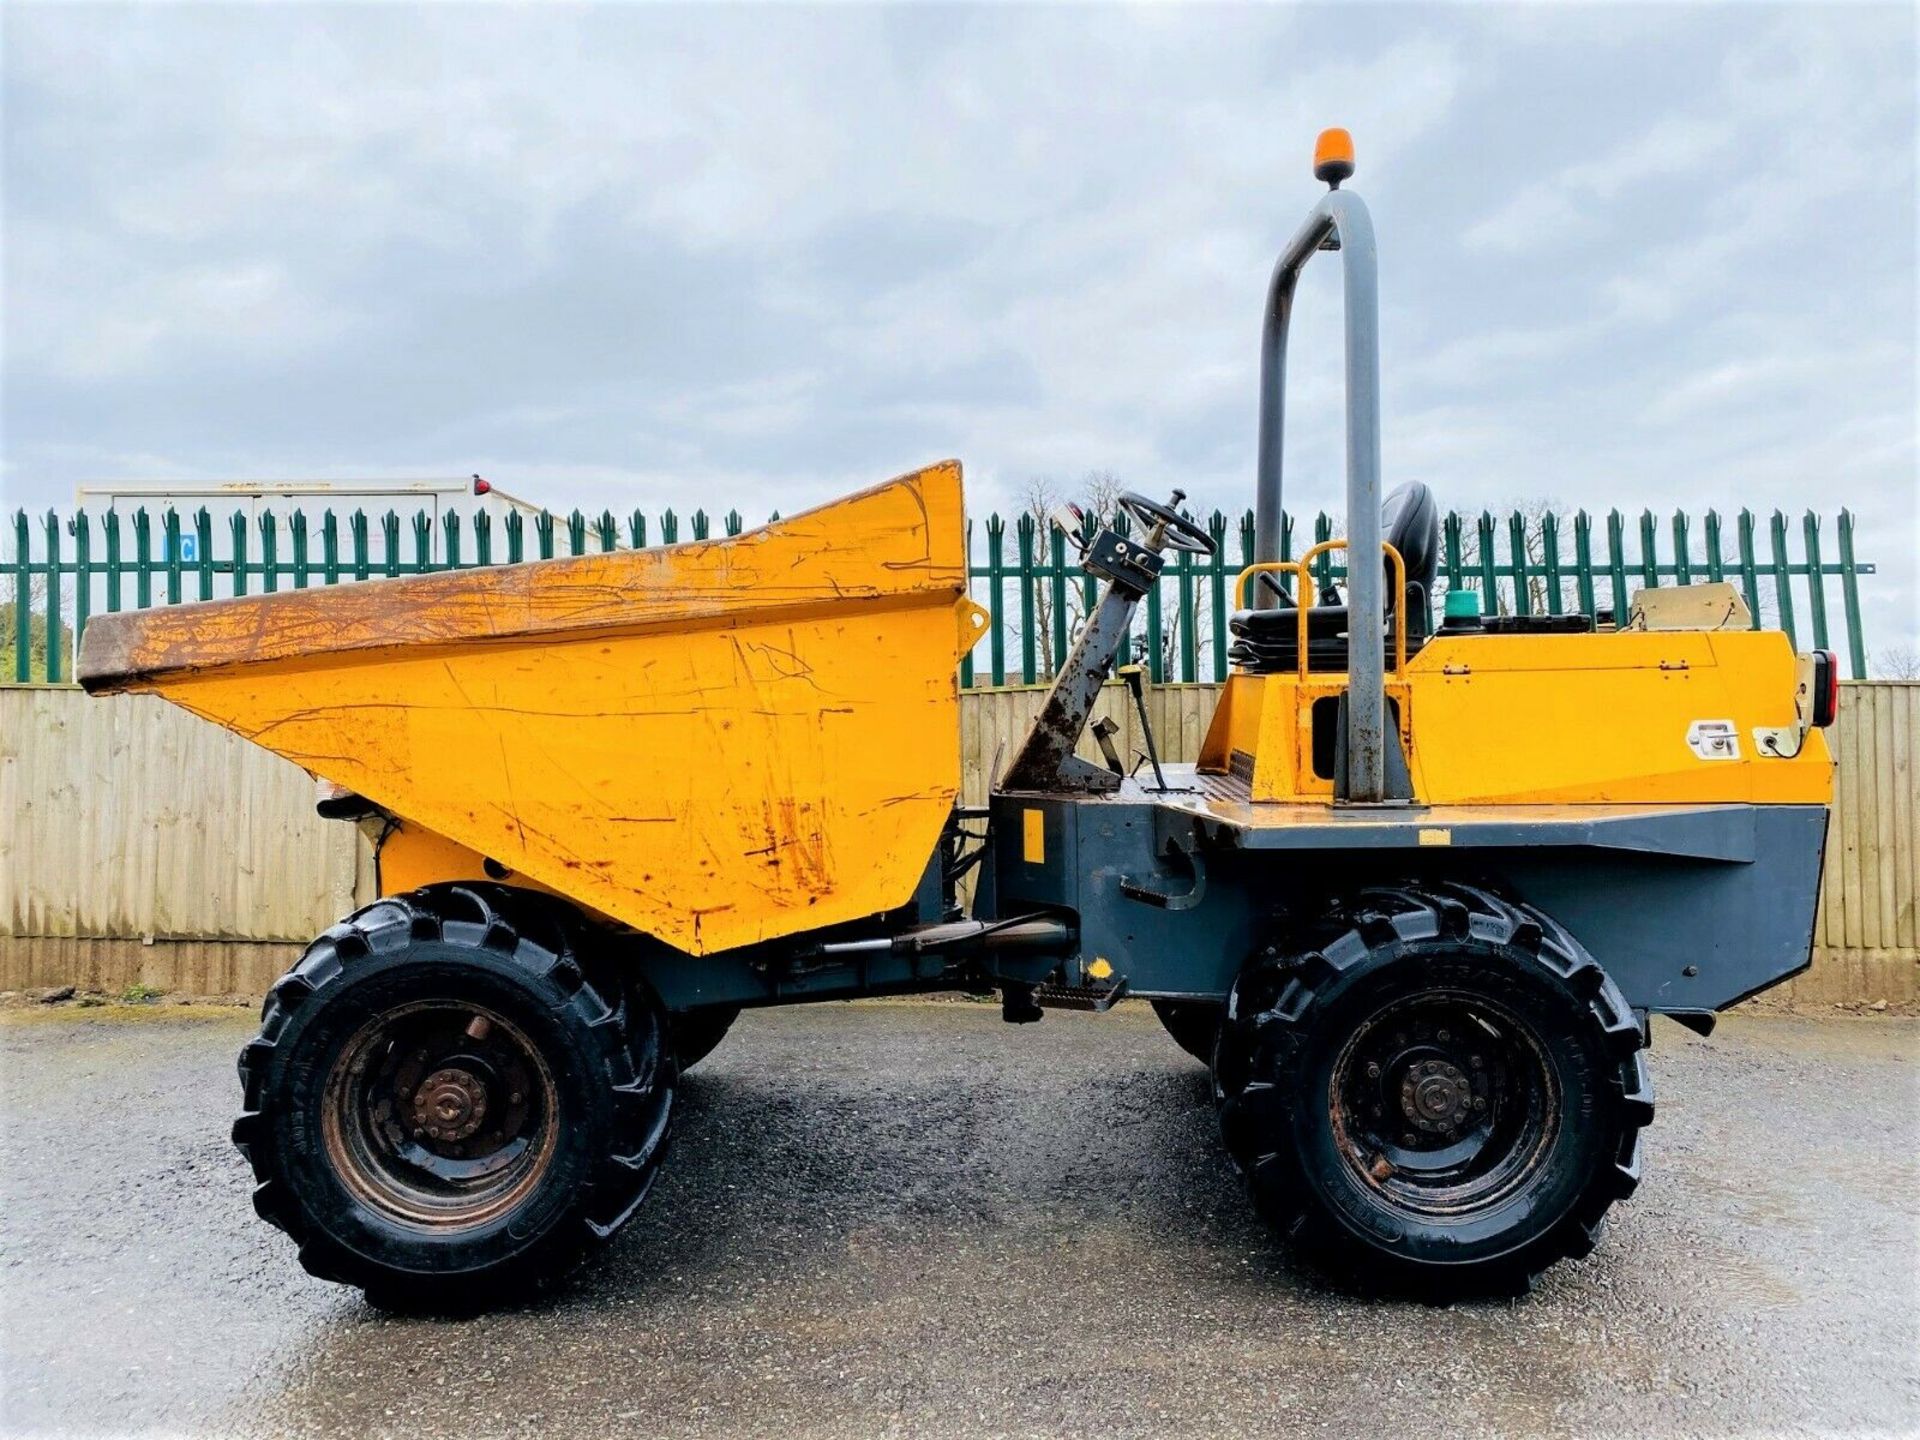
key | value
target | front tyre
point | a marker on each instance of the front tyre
(441, 1108)
(1433, 1089)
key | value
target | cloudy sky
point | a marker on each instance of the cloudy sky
(1639, 255)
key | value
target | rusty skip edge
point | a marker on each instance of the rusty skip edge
(679, 586)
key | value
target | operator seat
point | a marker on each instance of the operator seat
(1268, 640)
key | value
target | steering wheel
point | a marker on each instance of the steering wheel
(1176, 530)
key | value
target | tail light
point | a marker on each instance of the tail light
(1826, 688)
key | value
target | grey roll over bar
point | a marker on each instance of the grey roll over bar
(1339, 222)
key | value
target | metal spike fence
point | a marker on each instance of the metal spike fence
(66, 569)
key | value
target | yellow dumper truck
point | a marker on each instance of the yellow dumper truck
(1413, 905)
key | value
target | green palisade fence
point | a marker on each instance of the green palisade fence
(65, 570)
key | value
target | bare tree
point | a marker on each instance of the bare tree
(1897, 662)
(1097, 492)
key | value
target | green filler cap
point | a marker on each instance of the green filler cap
(1462, 605)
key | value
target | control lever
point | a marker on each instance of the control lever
(1135, 683)
(1103, 732)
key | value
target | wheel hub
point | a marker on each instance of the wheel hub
(450, 1105)
(440, 1114)
(1443, 1101)
(1436, 1096)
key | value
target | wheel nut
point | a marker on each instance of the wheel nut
(1441, 1035)
(1479, 1102)
(1373, 1073)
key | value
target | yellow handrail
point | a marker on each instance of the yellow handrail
(1305, 597)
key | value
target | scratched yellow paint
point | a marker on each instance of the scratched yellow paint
(716, 744)
(1550, 719)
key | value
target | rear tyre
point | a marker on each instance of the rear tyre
(1193, 1024)
(1433, 1090)
(696, 1033)
(441, 1109)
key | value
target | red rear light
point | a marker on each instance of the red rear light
(1826, 687)
(480, 487)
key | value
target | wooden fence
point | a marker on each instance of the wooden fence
(143, 846)
(65, 569)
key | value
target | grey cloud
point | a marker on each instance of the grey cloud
(649, 255)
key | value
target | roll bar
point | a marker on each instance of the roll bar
(1339, 222)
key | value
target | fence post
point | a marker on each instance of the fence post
(1850, 597)
(203, 549)
(142, 557)
(422, 543)
(53, 598)
(1489, 581)
(1816, 581)
(517, 536)
(82, 579)
(269, 553)
(1451, 530)
(543, 533)
(482, 538)
(238, 525)
(966, 660)
(22, 601)
(1057, 582)
(1217, 566)
(357, 527)
(451, 523)
(1617, 566)
(1682, 561)
(1089, 588)
(1156, 636)
(1583, 563)
(636, 529)
(111, 525)
(170, 528)
(1649, 551)
(610, 531)
(996, 572)
(1517, 547)
(577, 531)
(1782, 576)
(1716, 567)
(1550, 559)
(390, 541)
(330, 548)
(1023, 537)
(1189, 649)
(1749, 570)
(297, 528)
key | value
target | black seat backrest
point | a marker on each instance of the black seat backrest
(1410, 522)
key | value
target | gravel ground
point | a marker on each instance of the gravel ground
(910, 1219)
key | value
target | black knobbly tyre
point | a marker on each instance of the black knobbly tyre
(1193, 1024)
(441, 1107)
(1433, 1089)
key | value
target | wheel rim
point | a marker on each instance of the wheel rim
(1444, 1104)
(440, 1115)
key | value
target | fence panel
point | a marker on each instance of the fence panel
(206, 866)
(63, 571)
